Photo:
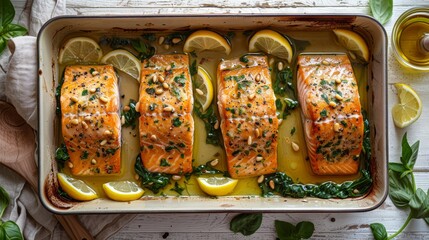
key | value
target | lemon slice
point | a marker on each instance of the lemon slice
(75, 188)
(409, 108)
(206, 40)
(123, 190)
(203, 88)
(217, 186)
(124, 61)
(353, 42)
(80, 50)
(271, 42)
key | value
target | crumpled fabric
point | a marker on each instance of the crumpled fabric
(18, 86)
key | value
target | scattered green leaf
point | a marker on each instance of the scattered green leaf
(381, 10)
(8, 29)
(287, 231)
(246, 223)
(131, 115)
(378, 231)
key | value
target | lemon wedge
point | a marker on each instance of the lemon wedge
(203, 88)
(75, 188)
(353, 42)
(409, 108)
(217, 186)
(80, 50)
(123, 190)
(271, 42)
(124, 61)
(202, 40)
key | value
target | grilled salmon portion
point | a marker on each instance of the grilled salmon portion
(166, 125)
(249, 124)
(331, 110)
(91, 125)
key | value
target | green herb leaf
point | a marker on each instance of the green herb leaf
(401, 189)
(206, 169)
(209, 117)
(381, 10)
(144, 50)
(246, 223)
(4, 201)
(177, 188)
(305, 229)
(61, 155)
(285, 230)
(397, 167)
(164, 163)
(132, 115)
(7, 13)
(151, 180)
(11, 231)
(419, 204)
(379, 231)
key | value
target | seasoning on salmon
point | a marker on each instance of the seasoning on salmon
(165, 106)
(91, 125)
(331, 110)
(249, 124)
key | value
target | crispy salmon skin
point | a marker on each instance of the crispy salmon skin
(331, 110)
(166, 125)
(90, 119)
(249, 124)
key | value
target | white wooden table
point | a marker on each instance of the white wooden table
(328, 226)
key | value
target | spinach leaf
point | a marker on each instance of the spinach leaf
(144, 50)
(177, 188)
(285, 230)
(4, 201)
(131, 115)
(246, 223)
(11, 231)
(381, 10)
(419, 204)
(61, 155)
(285, 93)
(7, 13)
(401, 189)
(206, 169)
(152, 181)
(379, 231)
(210, 120)
(8, 30)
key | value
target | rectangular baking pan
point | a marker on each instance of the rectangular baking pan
(56, 30)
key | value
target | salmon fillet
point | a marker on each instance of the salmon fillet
(91, 125)
(331, 110)
(165, 106)
(249, 124)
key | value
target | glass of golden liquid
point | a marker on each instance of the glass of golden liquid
(410, 39)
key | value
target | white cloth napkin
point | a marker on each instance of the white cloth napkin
(18, 85)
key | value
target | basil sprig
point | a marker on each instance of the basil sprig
(403, 192)
(287, 231)
(8, 229)
(8, 29)
(381, 10)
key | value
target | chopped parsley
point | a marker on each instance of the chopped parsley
(323, 113)
(164, 163)
(84, 155)
(176, 122)
(84, 92)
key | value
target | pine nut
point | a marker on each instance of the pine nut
(103, 142)
(168, 109)
(108, 132)
(74, 99)
(251, 96)
(136, 176)
(70, 164)
(104, 99)
(154, 78)
(259, 158)
(324, 62)
(93, 161)
(87, 118)
(84, 125)
(176, 40)
(249, 140)
(332, 104)
(355, 191)
(338, 97)
(261, 178)
(166, 46)
(94, 73)
(159, 91)
(92, 90)
(272, 185)
(75, 121)
(216, 125)
(123, 120)
(214, 162)
(337, 127)
(295, 146)
(161, 40)
(153, 137)
(138, 106)
(280, 66)
(168, 68)
(258, 77)
(337, 81)
(127, 108)
(176, 177)
(165, 85)
(161, 79)
(199, 91)
(257, 133)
